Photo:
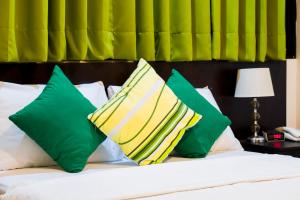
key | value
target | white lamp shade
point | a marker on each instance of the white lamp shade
(254, 82)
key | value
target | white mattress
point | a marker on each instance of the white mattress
(247, 175)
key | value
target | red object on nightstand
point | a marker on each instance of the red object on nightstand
(277, 145)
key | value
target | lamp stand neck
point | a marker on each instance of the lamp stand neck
(255, 128)
(256, 116)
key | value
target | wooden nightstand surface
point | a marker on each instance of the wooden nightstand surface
(285, 147)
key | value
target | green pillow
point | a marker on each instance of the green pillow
(198, 140)
(57, 121)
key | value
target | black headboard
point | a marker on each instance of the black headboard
(219, 76)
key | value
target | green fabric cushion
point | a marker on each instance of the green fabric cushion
(198, 140)
(57, 121)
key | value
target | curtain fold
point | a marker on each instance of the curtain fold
(145, 36)
(247, 36)
(276, 37)
(225, 26)
(162, 29)
(168, 30)
(261, 29)
(201, 29)
(57, 44)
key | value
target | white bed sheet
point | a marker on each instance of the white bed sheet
(108, 165)
(221, 175)
(10, 178)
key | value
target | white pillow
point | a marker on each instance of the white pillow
(112, 89)
(17, 150)
(226, 142)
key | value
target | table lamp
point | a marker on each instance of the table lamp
(253, 83)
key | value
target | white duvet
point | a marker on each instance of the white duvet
(249, 176)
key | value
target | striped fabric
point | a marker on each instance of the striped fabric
(145, 117)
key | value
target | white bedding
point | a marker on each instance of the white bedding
(238, 175)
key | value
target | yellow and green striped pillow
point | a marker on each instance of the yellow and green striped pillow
(145, 118)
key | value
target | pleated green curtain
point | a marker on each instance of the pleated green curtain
(248, 30)
(170, 30)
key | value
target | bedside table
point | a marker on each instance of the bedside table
(284, 148)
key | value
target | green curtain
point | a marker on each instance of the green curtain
(170, 30)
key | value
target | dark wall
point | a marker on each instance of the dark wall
(290, 26)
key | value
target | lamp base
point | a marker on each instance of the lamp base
(256, 139)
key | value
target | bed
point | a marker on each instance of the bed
(234, 175)
(228, 174)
